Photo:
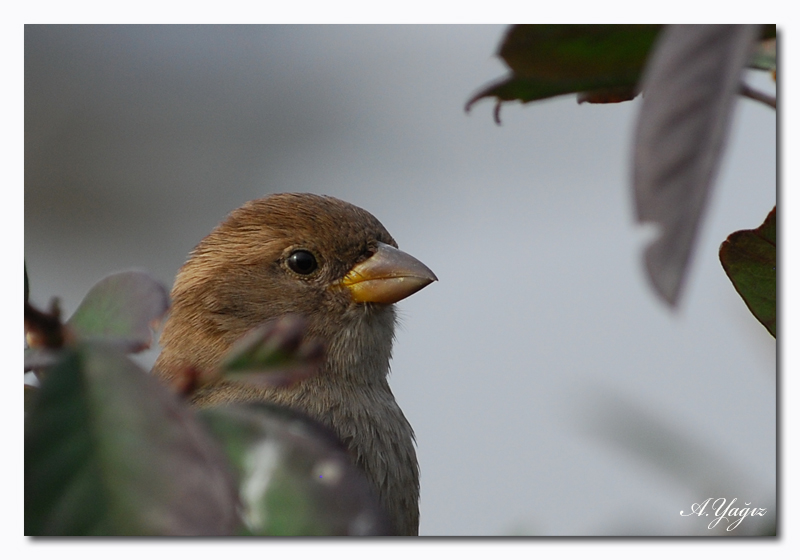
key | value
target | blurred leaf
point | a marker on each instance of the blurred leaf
(36, 358)
(44, 329)
(766, 55)
(648, 437)
(523, 89)
(274, 354)
(689, 87)
(30, 392)
(122, 307)
(612, 95)
(769, 31)
(690, 462)
(27, 288)
(109, 451)
(550, 60)
(749, 260)
(295, 477)
(578, 52)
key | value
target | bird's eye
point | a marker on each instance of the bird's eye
(302, 262)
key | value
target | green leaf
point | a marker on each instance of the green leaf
(579, 52)
(30, 394)
(275, 353)
(749, 260)
(121, 308)
(36, 358)
(769, 31)
(550, 60)
(295, 477)
(766, 55)
(109, 451)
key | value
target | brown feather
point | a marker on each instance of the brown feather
(237, 279)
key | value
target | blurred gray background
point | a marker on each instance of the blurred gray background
(550, 392)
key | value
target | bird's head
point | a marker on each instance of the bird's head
(314, 256)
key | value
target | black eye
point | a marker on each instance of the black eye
(302, 262)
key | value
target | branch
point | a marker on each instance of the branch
(756, 95)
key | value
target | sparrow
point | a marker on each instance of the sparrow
(335, 265)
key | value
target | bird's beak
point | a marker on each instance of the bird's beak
(388, 276)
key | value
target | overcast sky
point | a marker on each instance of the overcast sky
(551, 393)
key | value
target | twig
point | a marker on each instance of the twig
(756, 95)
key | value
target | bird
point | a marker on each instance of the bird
(335, 265)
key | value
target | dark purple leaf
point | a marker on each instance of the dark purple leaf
(690, 84)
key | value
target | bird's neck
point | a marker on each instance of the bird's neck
(351, 395)
(360, 347)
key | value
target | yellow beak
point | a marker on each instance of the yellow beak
(388, 276)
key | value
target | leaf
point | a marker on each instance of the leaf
(109, 451)
(749, 260)
(641, 433)
(612, 95)
(44, 329)
(274, 354)
(295, 477)
(523, 89)
(30, 394)
(769, 31)
(578, 52)
(36, 358)
(696, 467)
(27, 288)
(550, 60)
(690, 85)
(121, 307)
(766, 55)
